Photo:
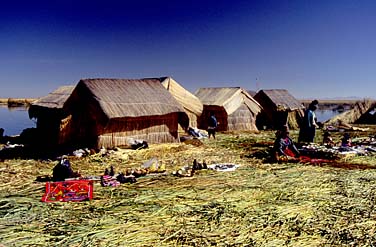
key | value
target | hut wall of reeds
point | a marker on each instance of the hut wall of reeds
(233, 107)
(279, 108)
(191, 104)
(368, 117)
(155, 129)
(51, 120)
(109, 112)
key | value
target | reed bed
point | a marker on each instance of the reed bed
(259, 204)
(16, 101)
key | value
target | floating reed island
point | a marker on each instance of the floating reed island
(14, 102)
(259, 204)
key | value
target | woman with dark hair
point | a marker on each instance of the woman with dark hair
(284, 146)
(308, 128)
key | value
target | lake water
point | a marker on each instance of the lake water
(323, 115)
(14, 120)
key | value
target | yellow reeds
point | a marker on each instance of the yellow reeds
(259, 204)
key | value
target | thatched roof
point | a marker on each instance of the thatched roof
(228, 97)
(130, 97)
(52, 102)
(56, 99)
(355, 114)
(281, 98)
(188, 100)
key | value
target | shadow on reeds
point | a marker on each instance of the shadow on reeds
(342, 165)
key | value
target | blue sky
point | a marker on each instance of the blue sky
(315, 49)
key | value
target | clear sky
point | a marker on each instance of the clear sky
(315, 49)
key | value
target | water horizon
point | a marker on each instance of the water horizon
(15, 119)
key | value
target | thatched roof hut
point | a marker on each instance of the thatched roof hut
(360, 113)
(369, 117)
(191, 104)
(50, 116)
(233, 107)
(279, 108)
(108, 112)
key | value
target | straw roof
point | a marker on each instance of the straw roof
(188, 100)
(130, 97)
(358, 113)
(281, 98)
(53, 102)
(56, 99)
(230, 98)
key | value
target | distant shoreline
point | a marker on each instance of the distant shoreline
(334, 104)
(16, 101)
(333, 101)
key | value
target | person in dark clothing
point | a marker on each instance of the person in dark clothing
(308, 127)
(212, 125)
(328, 140)
(346, 140)
(63, 170)
(284, 146)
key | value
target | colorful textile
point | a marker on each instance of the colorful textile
(67, 191)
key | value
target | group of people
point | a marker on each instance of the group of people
(284, 145)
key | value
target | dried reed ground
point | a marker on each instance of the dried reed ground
(257, 205)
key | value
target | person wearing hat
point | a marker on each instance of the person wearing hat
(284, 146)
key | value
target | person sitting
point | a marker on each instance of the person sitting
(328, 140)
(63, 170)
(346, 140)
(284, 146)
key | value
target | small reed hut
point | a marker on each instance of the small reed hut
(233, 107)
(51, 119)
(369, 117)
(191, 104)
(279, 108)
(362, 112)
(109, 112)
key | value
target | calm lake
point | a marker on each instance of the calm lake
(14, 120)
(323, 115)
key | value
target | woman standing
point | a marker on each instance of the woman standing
(308, 129)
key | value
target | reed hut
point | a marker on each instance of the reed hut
(52, 122)
(279, 108)
(361, 113)
(191, 104)
(369, 117)
(233, 107)
(109, 112)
